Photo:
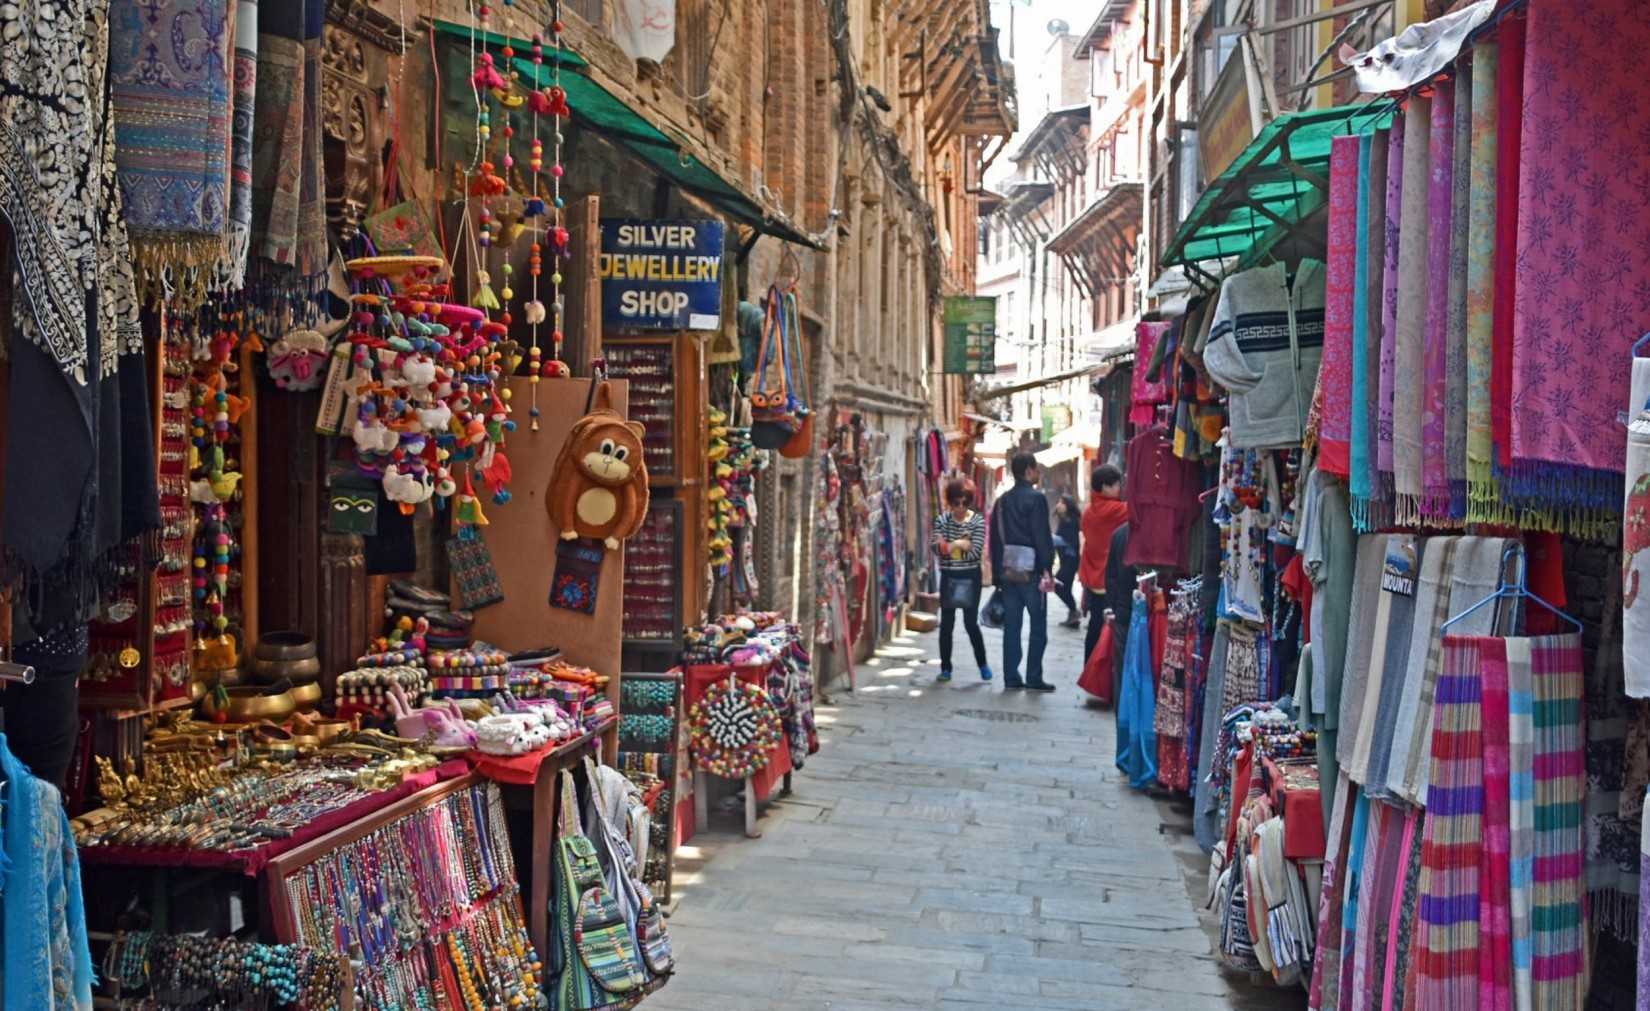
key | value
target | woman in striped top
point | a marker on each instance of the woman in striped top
(959, 538)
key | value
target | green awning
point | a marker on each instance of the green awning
(522, 47)
(597, 109)
(1279, 181)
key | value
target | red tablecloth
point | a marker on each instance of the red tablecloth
(696, 678)
(250, 862)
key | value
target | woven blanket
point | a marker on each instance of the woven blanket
(1388, 667)
(1360, 643)
(1335, 372)
(1558, 907)
(1324, 992)
(238, 237)
(169, 67)
(1483, 495)
(1409, 388)
(1385, 422)
(1469, 574)
(1435, 340)
(288, 212)
(1495, 858)
(1455, 368)
(1447, 943)
(1579, 248)
(1147, 394)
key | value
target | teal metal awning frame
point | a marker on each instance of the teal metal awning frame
(1269, 192)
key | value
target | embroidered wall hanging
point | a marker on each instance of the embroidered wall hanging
(733, 729)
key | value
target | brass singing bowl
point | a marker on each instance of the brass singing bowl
(306, 696)
(284, 646)
(329, 730)
(250, 705)
(268, 672)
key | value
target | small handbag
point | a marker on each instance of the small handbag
(1096, 679)
(959, 593)
(597, 955)
(1019, 563)
(991, 615)
(778, 415)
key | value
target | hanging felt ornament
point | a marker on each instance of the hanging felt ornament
(353, 505)
(469, 511)
(733, 729)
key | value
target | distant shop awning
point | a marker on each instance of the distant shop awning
(1099, 245)
(599, 110)
(1270, 190)
(1032, 384)
(1058, 453)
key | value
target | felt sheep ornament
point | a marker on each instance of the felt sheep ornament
(599, 486)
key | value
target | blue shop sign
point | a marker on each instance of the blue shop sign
(661, 275)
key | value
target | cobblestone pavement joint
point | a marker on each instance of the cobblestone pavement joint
(931, 858)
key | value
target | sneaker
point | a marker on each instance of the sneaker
(1041, 686)
(1012, 686)
(945, 675)
(985, 672)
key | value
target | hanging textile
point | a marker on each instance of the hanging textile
(1409, 400)
(45, 962)
(1366, 302)
(1448, 941)
(1352, 906)
(1455, 366)
(1388, 663)
(170, 68)
(1435, 339)
(1169, 715)
(1509, 130)
(1136, 715)
(1483, 494)
(73, 500)
(1323, 993)
(288, 214)
(1558, 907)
(1579, 254)
(238, 240)
(1644, 913)
(1340, 306)
(1385, 416)
(1145, 393)
(1206, 805)
(1612, 859)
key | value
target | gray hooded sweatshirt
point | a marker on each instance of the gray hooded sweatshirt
(1265, 344)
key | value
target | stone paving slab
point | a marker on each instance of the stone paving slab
(933, 857)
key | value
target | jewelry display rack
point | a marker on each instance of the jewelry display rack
(643, 749)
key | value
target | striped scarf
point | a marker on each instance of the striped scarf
(1448, 940)
(1558, 911)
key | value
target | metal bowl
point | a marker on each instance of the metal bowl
(251, 705)
(284, 646)
(306, 696)
(267, 672)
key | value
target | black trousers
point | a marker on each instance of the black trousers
(1097, 621)
(1063, 581)
(42, 719)
(970, 615)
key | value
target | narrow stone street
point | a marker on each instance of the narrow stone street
(957, 847)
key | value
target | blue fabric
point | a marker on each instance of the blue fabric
(1137, 710)
(1020, 599)
(45, 962)
(1361, 488)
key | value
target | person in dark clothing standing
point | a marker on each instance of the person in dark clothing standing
(959, 539)
(1068, 538)
(1022, 558)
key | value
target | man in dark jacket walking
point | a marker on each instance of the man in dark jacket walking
(1022, 556)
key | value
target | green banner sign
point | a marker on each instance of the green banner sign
(970, 336)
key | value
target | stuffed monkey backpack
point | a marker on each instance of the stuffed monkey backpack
(599, 486)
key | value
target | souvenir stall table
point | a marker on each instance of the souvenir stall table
(749, 708)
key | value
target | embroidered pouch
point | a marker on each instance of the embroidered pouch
(473, 571)
(578, 576)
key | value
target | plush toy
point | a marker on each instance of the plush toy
(599, 486)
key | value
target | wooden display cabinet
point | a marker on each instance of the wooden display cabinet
(667, 380)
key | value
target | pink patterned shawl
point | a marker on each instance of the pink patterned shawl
(1147, 395)
(1583, 273)
(1435, 380)
(1335, 374)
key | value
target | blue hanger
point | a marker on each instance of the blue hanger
(1513, 589)
(1639, 344)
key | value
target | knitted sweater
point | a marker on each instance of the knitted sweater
(949, 528)
(1265, 344)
